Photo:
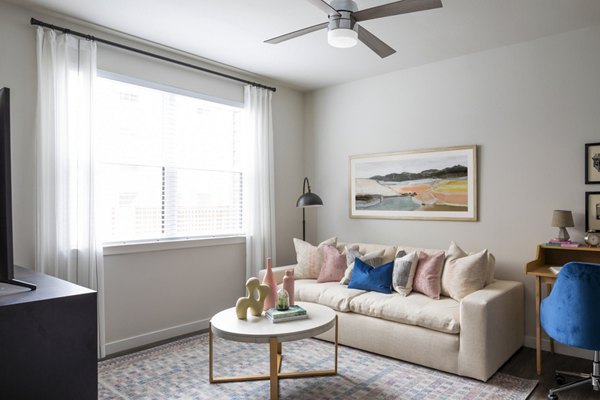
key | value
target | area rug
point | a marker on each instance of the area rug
(179, 370)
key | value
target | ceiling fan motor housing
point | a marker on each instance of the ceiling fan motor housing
(344, 20)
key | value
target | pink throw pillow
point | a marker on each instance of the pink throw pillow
(429, 273)
(334, 265)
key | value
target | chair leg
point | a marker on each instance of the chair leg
(593, 378)
(552, 392)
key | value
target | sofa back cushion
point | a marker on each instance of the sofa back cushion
(388, 251)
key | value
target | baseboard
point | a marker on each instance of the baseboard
(156, 336)
(560, 348)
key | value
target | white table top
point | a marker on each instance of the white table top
(260, 329)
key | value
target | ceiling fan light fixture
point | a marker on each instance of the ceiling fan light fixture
(342, 38)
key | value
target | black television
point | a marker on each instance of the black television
(7, 274)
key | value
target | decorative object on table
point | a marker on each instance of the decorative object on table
(288, 284)
(592, 211)
(558, 243)
(283, 300)
(430, 184)
(270, 281)
(255, 304)
(592, 238)
(307, 199)
(562, 219)
(592, 163)
(291, 314)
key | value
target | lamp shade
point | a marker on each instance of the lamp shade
(562, 219)
(309, 200)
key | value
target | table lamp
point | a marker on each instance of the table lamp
(562, 219)
(307, 199)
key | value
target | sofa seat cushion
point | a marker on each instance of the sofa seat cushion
(330, 294)
(415, 309)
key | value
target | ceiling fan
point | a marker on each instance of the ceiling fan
(343, 30)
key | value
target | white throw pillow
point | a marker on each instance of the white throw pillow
(404, 273)
(465, 275)
(455, 252)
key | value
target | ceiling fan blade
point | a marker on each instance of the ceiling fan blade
(374, 43)
(325, 7)
(395, 8)
(297, 33)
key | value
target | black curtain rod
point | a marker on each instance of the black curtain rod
(147, 53)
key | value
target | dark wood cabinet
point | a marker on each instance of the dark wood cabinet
(48, 340)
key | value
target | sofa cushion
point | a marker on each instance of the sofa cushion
(389, 252)
(370, 278)
(416, 309)
(309, 258)
(330, 294)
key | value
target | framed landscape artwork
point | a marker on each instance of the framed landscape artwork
(430, 184)
(592, 211)
(592, 163)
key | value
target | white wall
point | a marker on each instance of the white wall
(157, 294)
(529, 107)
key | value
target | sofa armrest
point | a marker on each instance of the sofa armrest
(492, 328)
(279, 273)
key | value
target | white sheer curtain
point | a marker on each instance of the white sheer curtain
(259, 190)
(66, 245)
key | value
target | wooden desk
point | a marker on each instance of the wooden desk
(548, 256)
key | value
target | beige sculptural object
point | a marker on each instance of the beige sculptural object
(250, 301)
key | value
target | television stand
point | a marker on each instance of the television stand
(17, 282)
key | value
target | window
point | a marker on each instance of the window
(169, 165)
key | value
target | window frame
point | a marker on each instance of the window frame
(115, 247)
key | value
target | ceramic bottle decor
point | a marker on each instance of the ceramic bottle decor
(269, 280)
(288, 284)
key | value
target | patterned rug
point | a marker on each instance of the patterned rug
(179, 370)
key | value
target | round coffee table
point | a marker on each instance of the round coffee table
(261, 330)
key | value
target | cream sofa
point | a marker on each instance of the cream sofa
(472, 338)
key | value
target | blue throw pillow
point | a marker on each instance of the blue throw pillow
(366, 277)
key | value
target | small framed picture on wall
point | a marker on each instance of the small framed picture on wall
(592, 163)
(592, 211)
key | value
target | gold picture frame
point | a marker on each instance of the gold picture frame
(428, 184)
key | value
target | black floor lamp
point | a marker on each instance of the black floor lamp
(307, 199)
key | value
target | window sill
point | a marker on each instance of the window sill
(145, 247)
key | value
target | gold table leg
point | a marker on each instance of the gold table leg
(538, 326)
(275, 358)
(274, 370)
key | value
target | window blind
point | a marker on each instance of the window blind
(170, 165)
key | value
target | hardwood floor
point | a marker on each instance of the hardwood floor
(522, 364)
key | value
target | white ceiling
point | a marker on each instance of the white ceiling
(232, 32)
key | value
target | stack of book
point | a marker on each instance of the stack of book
(291, 314)
(559, 243)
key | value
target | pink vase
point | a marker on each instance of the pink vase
(269, 280)
(288, 284)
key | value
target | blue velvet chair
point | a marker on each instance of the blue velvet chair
(570, 315)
